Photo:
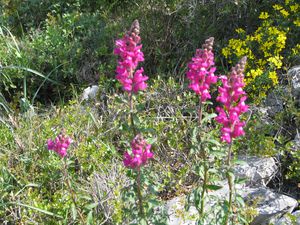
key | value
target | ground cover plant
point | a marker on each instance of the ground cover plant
(144, 139)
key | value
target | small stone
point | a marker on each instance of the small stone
(90, 92)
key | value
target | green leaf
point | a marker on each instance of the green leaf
(90, 218)
(91, 206)
(213, 187)
(194, 135)
(34, 208)
(74, 211)
(151, 140)
(239, 162)
(240, 201)
(208, 117)
(240, 180)
(143, 222)
(213, 141)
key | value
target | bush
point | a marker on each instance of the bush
(269, 48)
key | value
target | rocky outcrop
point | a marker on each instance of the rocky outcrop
(294, 76)
(258, 172)
(289, 219)
(269, 205)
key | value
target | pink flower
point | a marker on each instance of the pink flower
(140, 153)
(60, 144)
(129, 50)
(233, 97)
(201, 70)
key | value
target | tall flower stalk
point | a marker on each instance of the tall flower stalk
(60, 145)
(133, 80)
(232, 97)
(201, 75)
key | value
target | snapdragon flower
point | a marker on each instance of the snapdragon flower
(201, 70)
(140, 153)
(60, 144)
(233, 97)
(129, 50)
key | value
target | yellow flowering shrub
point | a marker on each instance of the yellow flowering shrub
(267, 48)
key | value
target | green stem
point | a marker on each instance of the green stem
(200, 114)
(204, 190)
(71, 190)
(131, 114)
(138, 179)
(204, 158)
(230, 184)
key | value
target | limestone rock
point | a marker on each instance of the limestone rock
(257, 171)
(268, 204)
(177, 213)
(294, 75)
(274, 103)
(289, 219)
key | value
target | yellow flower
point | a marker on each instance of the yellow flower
(273, 77)
(276, 61)
(255, 73)
(294, 8)
(284, 13)
(296, 50)
(240, 30)
(263, 15)
(277, 7)
(297, 22)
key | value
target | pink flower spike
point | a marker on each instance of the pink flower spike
(140, 153)
(201, 71)
(60, 144)
(233, 98)
(129, 51)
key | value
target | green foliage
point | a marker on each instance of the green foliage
(154, 209)
(51, 49)
(72, 41)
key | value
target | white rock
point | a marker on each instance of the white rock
(291, 219)
(257, 171)
(177, 213)
(90, 92)
(268, 204)
(294, 75)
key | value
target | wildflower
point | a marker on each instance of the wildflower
(60, 144)
(240, 31)
(129, 50)
(263, 15)
(284, 13)
(297, 22)
(140, 153)
(273, 77)
(233, 97)
(294, 8)
(201, 70)
(277, 7)
(276, 61)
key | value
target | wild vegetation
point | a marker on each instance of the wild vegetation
(181, 85)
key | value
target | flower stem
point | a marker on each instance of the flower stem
(138, 179)
(71, 190)
(230, 184)
(200, 114)
(204, 189)
(131, 113)
(204, 160)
